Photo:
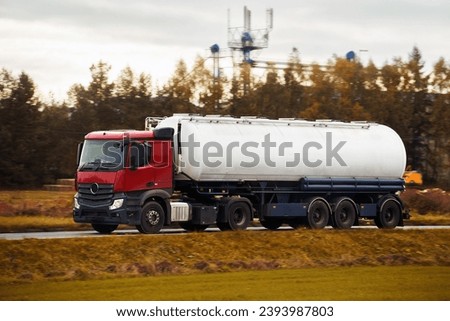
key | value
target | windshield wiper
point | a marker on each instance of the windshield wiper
(88, 165)
(97, 164)
(109, 165)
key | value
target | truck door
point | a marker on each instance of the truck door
(161, 161)
(149, 166)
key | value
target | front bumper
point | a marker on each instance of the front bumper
(89, 211)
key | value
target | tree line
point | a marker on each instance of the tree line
(39, 139)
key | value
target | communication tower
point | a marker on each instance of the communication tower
(245, 39)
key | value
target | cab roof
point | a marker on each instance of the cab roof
(120, 134)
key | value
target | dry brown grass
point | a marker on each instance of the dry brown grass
(145, 255)
(430, 200)
(39, 223)
(36, 203)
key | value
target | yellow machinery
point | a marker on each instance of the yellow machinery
(412, 177)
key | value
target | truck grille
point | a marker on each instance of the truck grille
(95, 194)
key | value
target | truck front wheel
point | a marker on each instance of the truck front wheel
(152, 218)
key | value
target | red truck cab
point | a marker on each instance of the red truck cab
(120, 171)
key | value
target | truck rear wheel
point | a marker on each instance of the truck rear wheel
(344, 214)
(152, 218)
(238, 217)
(104, 228)
(318, 214)
(389, 214)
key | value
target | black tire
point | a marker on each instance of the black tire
(152, 218)
(344, 214)
(104, 228)
(139, 228)
(318, 214)
(193, 227)
(271, 224)
(238, 217)
(388, 217)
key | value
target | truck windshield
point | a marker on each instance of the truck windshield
(101, 155)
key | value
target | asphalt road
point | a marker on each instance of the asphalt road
(175, 231)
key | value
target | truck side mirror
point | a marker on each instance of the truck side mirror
(79, 149)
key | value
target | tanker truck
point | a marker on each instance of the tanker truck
(201, 171)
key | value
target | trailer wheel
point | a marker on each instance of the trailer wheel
(238, 216)
(104, 228)
(271, 224)
(389, 215)
(152, 218)
(318, 214)
(344, 214)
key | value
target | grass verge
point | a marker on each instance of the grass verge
(33, 260)
(410, 283)
(19, 224)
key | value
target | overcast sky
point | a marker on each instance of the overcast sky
(56, 42)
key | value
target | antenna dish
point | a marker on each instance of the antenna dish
(214, 48)
(350, 56)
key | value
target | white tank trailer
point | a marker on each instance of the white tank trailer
(251, 149)
(229, 171)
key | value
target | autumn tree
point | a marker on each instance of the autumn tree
(416, 87)
(59, 155)
(348, 79)
(179, 91)
(208, 89)
(272, 98)
(21, 150)
(320, 91)
(294, 78)
(126, 86)
(438, 146)
(372, 99)
(131, 100)
(393, 109)
(92, 109)
(243, 97)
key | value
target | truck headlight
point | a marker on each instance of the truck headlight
(116, 204)
(75, 203)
